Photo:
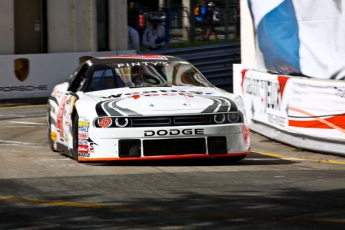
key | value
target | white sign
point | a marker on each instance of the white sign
(296, 106)
(35, 75)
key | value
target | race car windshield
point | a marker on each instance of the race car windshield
(146, 74)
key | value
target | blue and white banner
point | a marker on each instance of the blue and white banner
(300, 37)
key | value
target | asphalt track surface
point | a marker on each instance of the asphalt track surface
(276, 187)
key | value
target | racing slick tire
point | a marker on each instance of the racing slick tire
(75, 137)
(50, 141)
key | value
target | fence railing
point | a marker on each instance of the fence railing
(214, 61)
(226, 22)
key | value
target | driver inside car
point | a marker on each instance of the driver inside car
(138, 79)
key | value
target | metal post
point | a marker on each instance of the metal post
(191, 21)
(185, 20)
(167, 21)
(238, 20)
(226, 20)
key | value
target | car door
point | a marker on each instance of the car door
(66, 97)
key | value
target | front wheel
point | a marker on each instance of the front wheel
(75, 137)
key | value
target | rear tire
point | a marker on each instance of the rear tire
(75, 137)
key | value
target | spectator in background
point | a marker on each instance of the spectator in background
(154, 35)
(210, 23)
(133, 38)
(133, 16)
(201, 12)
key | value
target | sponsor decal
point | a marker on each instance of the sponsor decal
(83, 154)
(83, 126)
(82, 142)
(145, 63)
(83, 148)
(173, 132)
(83, 129)
(136, 96)
(104, 122)
(246, 134)
(83, 123)
(83, 136)
(83, 118)
(21, 68)
(53, 136)
(23, 88)
(92, 147)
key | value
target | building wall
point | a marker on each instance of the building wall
(72, 26)
(6, 27)
(118, 32)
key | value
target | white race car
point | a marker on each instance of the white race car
(144, 107)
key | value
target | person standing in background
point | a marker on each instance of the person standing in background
(201, 13)
(154, 35)
(133, 39)
(133, 16)
(211, 24)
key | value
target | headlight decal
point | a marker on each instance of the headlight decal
(219, 118)
(234, 117)
(121, 122)
(105, 122)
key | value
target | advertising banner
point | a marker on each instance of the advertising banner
(297, 106)
(35, 75)
(300, 37)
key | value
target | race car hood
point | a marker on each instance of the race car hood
(146, 101)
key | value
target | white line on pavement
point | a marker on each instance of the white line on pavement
(27, 123)
(17, 142)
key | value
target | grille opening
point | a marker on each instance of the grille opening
(217, 145)
(140, 122)
(130, 148)
(164, 147)
(192, 120)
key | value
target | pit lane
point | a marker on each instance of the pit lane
(280, 188)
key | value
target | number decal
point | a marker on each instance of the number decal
(105, 122)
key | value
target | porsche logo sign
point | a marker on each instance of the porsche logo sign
(21, 68)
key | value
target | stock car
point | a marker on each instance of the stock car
(144, 107)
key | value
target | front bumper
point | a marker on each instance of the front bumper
(166, 143)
